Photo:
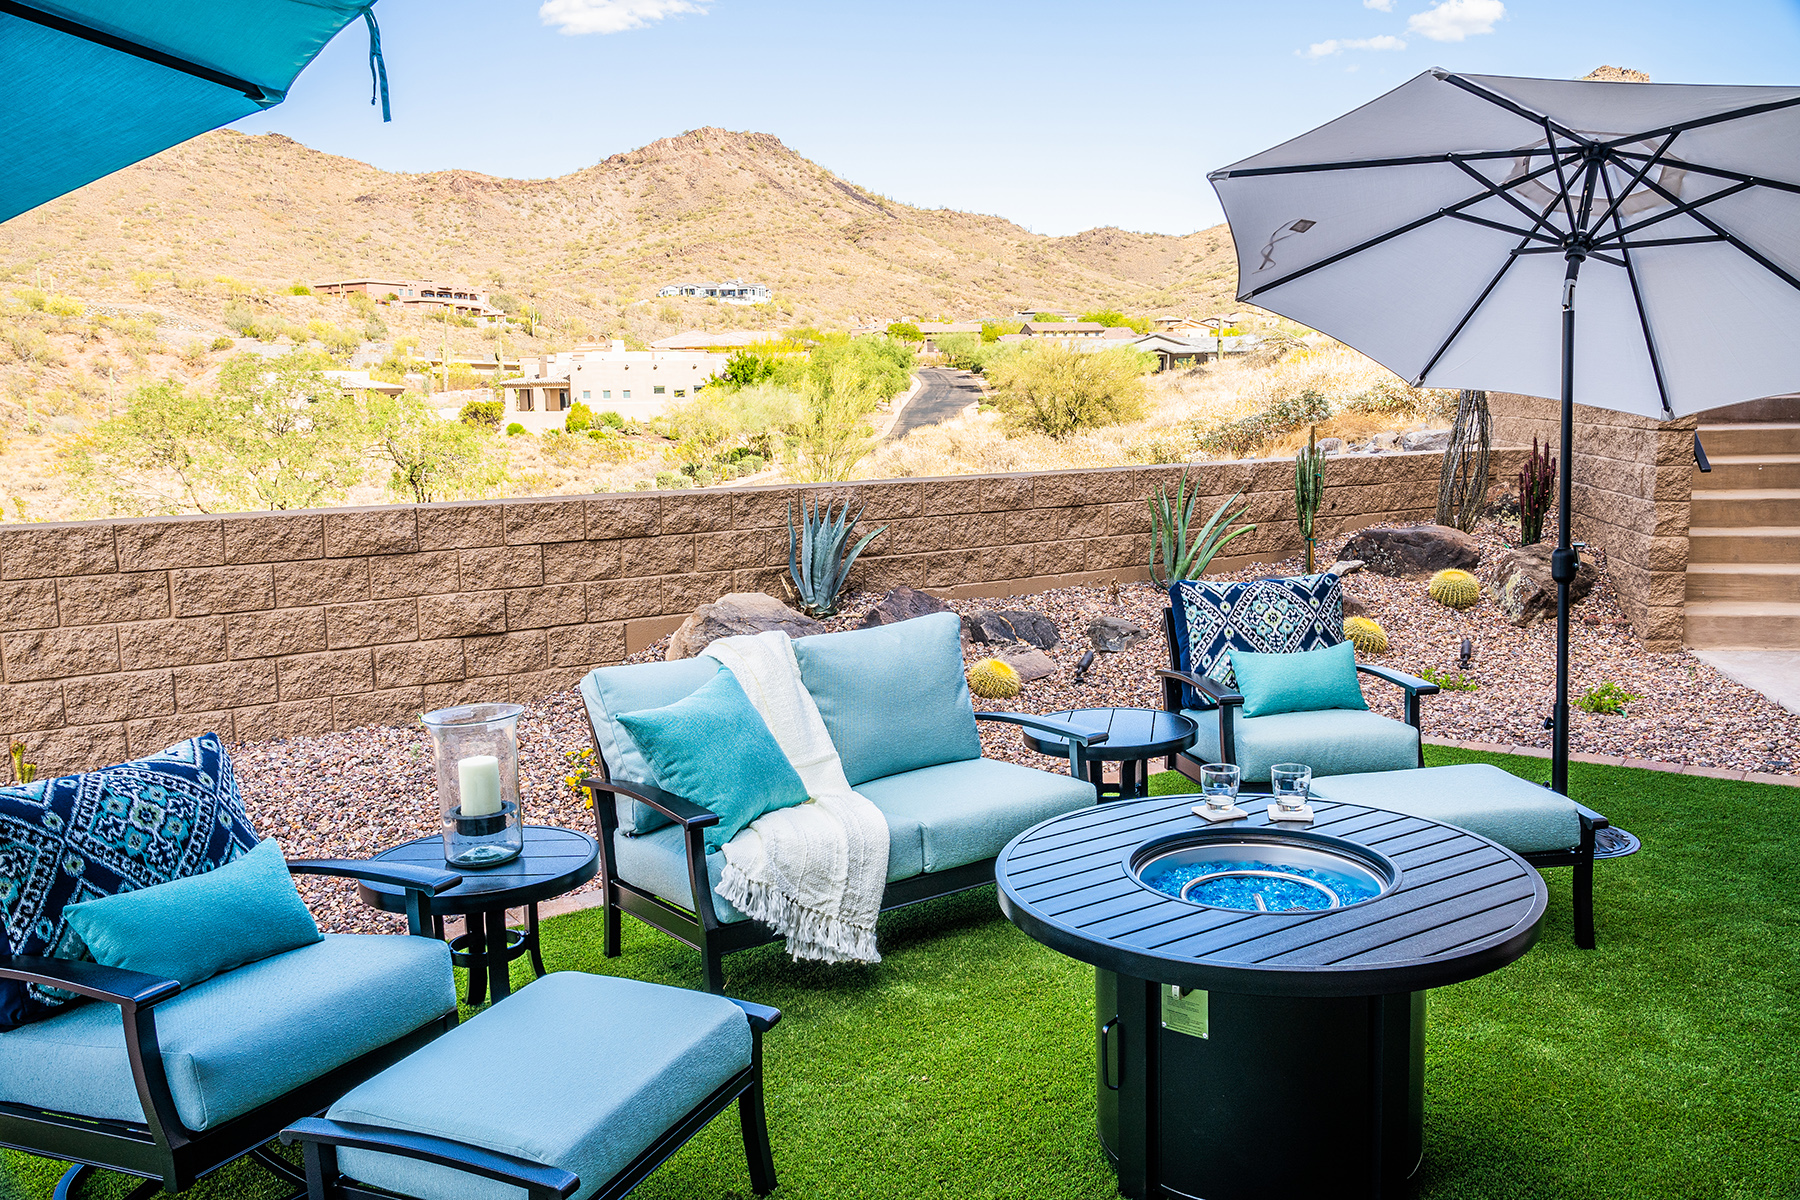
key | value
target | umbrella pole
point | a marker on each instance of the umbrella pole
(1564, 562)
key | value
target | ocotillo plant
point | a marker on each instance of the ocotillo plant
(1537, 487)
(1309, 488)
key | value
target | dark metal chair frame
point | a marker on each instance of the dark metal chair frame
(161, 1150)
(700, 927)
(1581, 856)
(320, 1140)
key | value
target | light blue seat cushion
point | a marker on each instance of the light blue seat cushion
(967, 811)
(1333, 741)
(657, 863)
(893, 697)
(1479, 797)
(609, 691)
(575, 1071)
(242, 1038)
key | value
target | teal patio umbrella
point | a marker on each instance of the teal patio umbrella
(90, 86)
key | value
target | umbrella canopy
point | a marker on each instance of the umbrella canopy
(1430, 229)
(90, 86)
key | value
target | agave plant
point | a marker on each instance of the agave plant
(820, 555)
(1185, 556)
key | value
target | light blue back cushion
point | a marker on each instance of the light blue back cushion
(893, 697)
(609, 691)
(1304, 681)
(714, 749)
(191, 929)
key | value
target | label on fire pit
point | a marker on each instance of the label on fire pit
(1184, 1011)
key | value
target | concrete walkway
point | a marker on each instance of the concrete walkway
(1619, 760)
(1774, 673)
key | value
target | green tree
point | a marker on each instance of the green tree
(580, 417)
(745, 368)
(881, 367)
(993, 331)
(905, 331)
(1046, 318)
(1058, 391)
(483, 414)
(834, 430)
(429, 458)
(1112, 318)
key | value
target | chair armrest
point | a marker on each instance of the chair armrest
(683, 812)
(1220, 694)
(1594, 819)
(539, 1180)
(401, 875)
(1081, 737)
(762, 1017)
(128, 989)
(1414, 686)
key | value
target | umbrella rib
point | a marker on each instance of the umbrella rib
(1721, 172)
(1674, 241)
(1449, 210)
(1514, 107)
(1480, 300)
(1637, 298)
(1561, 180)
(1359, 164)
(112, 41)
(1505, 193)
(1683, 207)
(1526, 234)
(1736, 114)
(1635, 179)
(1730, 237)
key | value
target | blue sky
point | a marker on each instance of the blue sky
(1059, 115)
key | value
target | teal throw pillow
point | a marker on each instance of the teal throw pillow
(714, 749)
(191, 929)
(1306, 681)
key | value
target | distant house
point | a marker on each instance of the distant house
(1065, 331)
(1179, 326)
(359, 381)
(729, 339)
(1172, 351)
(636, 384)
(732, 291)
(418, 294)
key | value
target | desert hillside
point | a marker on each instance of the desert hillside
(594, 245)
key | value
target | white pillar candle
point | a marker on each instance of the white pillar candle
(479, 777)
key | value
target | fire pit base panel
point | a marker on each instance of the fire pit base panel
(1230, 1097)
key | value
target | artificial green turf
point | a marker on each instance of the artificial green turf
(1661, 1065)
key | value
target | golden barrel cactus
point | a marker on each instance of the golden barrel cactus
(1455, 589)
(1366, 635)
(992, 679)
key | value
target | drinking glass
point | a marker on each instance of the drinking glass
(1290, 783)
(1219, 784)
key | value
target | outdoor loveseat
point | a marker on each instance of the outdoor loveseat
(896, 705)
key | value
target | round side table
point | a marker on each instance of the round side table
(554, 861)
(1134, 737)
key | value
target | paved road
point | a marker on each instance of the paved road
(943, 394)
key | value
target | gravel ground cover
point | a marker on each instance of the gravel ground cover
(352, 794)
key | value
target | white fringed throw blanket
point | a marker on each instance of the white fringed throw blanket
(815, 872)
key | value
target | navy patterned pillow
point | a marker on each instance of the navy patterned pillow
(80, 837)
(1265, 616)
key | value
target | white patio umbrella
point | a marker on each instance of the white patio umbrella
(1440, 230)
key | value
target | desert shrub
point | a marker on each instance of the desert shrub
(515, 429)
(580, 417)
(993, 331)
(1112, 318)
(62, 306)
(374, 328)
(746, 368)
(222, 343)
(611, 419)
(1057, 391)
(672, 479)
(905, 331)
(1236, 439)
(299, 289)
(506, 302)
(483, 414)
(32, 346)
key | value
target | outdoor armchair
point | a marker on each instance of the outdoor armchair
(169, 1083)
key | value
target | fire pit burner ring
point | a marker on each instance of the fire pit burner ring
(1333, 900)
(1263, 871)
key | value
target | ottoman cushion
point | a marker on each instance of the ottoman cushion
(1481, 798)
(575, 1071)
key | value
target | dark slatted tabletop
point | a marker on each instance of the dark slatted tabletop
(554, 861)
(1463, 906)
(1131, 733)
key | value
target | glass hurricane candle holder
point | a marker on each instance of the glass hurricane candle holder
(476, 747)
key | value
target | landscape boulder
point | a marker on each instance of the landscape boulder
(1012, 625)
(1426, 439)
(1413, 550)
(1523, 590)
(1354, 607)
(1331, 445)
(1345, 566)
(1030, 662)
(739, 612)
(1111, 635)
(902, 604)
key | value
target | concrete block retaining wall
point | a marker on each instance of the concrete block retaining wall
(119, 637)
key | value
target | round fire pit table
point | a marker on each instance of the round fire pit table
(554, 861)
(1260, 1018)
(1134, 737)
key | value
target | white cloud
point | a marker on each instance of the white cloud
(611, 16)
(1379, 5)
(1339, 45)
(1454, 20)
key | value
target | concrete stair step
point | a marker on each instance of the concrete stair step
(1743, 625)
(1751, 437)
(1731, 472)
(1746, 544)
(1779, 582)
(1737, 507)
